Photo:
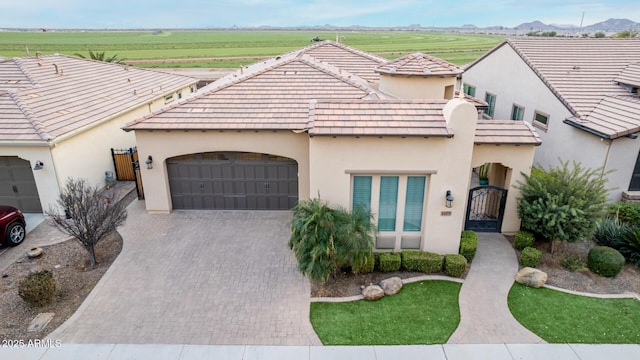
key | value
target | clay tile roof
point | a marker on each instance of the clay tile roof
(582, 73)
(378, 118)
(419, 64)
(613, 117)
(357, 62)
(66, 93)
(630, 75)
(506, 132)
(273, 95)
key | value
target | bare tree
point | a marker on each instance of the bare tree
(88, 216)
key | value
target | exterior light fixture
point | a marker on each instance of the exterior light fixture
(149, 162)
(39, 165)
(449, 199)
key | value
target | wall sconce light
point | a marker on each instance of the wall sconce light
(39, 165)
(149, 162)
(449, 199)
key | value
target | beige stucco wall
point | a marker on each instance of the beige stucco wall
(45, 178)
(333, 161)
(518, 160)
(405, 87)
(504, 74)
(166, 144)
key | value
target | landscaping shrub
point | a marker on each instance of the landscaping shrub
(426, 262)
(38, 289)
(573, 263)
(468, 244)
(454, 264)
(523, 239)
(366, 265)
(389, 261)
(626, 212)
(610, 232)
(605, 261)
(530, 257)
(629, 246)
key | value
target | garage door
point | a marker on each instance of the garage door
(233, 181)
(17, 185)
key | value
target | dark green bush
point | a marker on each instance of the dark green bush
(629, 246)
(422, 261)
(366, 266)
(454, 264)
(523, 239)
(610, 232)
(605, 261)
(530, 257)
(573, 263)
(468, 244)
(389, 261)
(626, 212)
(38, 289)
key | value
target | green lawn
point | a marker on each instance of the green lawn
(558, 317)
(422, 313)
(136, 45)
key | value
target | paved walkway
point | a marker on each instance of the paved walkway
(484, 315)
(198, 277)
(431, 352)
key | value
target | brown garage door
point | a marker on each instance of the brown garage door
(17, 185)
(233, 181)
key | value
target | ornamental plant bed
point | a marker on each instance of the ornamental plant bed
(69, 263)
(628, 280)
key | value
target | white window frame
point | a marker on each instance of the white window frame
(539, 124)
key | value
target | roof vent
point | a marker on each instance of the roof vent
(426, 71)
(392, 69)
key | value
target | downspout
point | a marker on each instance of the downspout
(606, 158)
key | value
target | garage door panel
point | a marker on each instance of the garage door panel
(233, 181)
(17, 184)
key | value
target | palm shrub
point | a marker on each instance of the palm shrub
(562, 203)
(325, 239)
(468, 244)
(629, 246)
(365, 266)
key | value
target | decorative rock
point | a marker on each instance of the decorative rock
(34, 252)
(531, 277)
(372, 292)
(391, 286)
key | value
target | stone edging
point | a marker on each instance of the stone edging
(592, 295)
(404, 281)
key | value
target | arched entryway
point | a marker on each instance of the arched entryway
(233, 181)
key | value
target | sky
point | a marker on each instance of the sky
(136, 14)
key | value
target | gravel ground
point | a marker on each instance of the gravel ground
(69, 263)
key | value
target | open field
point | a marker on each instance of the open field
(227, 49)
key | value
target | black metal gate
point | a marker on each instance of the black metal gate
(485, 209)
(127, 166)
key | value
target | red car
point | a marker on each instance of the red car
(12, 226)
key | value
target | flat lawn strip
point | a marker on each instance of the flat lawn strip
(425, 312)
(559, 317)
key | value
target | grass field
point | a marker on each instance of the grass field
(234, 48)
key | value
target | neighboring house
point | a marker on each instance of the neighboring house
(60, 116)
(581, 93)
(334, 122)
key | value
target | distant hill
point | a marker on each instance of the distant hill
(614, 25)
(536, 26)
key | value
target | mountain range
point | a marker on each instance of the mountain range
(607, 25)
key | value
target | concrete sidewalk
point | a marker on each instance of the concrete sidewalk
(484, 314)
(231, 352)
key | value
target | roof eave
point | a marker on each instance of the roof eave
(587, 129)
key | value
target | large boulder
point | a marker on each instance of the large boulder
(372, 292)
(391, 286)
(531, 277)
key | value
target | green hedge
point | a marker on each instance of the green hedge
(523, 240)
(605, 261)
(454, 264)
(468, 244)
(530, 257)
(422, 261)
(389, 262)
(626, 212)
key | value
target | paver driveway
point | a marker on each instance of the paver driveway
(198, 277)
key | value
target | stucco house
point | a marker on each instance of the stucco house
(332, 121)
(581, 94)
(60, 116)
